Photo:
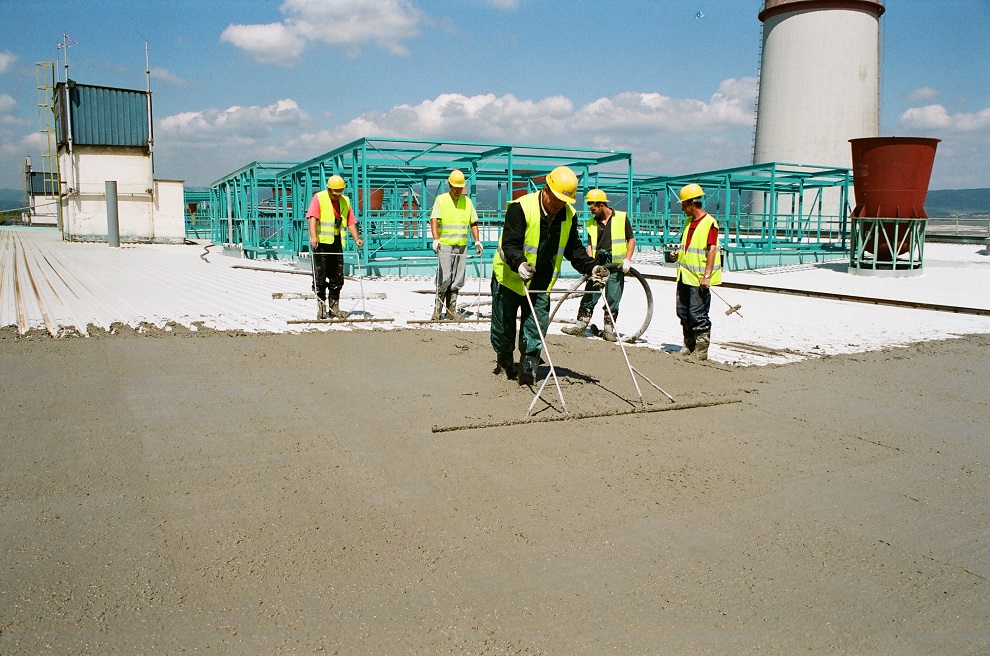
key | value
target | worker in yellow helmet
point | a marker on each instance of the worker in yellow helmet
(539, 231)
(699, 266)
(610, 241)
(329, 211)
(452, 217)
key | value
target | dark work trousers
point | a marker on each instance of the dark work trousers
(612, 292)
(693, 304)
(328, 263)
(505, 305)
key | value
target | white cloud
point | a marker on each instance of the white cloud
(922, 94)
(269, 44)
(26, 144)
(936, 117)
(344, 24)
(661, 132)
(972, 122)
(7, 104)
(235, 124)
(510, 119)
(926, 118)
(168, 77)
(6, 59)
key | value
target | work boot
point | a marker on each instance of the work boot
(335, 310)
(438, 302)
(579, 327)
(504, 363)
(609, 333)
(452, 313)
(703, 340)
(690, 343)
(527, 369)
(321, 309)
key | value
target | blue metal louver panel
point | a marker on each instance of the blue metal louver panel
(104, 116)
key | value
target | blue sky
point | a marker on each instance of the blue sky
(672, 81)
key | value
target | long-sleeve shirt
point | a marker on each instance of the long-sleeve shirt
(514, 234)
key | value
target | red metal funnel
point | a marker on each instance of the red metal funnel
(891, 176)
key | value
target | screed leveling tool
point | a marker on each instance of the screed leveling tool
(732, 308)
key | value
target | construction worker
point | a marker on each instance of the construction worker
(538, 233)
(453, 214)
(699, 266)
(610, 241)
(327, 214)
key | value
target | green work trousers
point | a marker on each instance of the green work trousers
(506, 304)
(612, 292)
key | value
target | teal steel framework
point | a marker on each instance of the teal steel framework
(243, 209)
(199, 220)
(888, 247)
(770, 214)
(392, 184)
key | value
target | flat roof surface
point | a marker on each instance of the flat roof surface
(65, 288)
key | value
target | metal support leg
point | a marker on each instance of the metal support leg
(546, 350)
(611, 318)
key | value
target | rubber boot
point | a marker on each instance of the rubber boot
(505, 364)
(321, 309)
(703, 340)
(609, 333)
(335, 310)
(437, 309)
(452, 313)
(580, 326)
(690, 343)
(527, 369)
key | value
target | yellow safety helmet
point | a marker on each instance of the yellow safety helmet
(595, 196)
(563, 183)
(691, 191)
(336, 182)
(456, 179)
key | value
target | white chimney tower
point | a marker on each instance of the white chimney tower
(819, 80)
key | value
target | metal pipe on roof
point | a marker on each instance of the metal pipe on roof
(113, 220)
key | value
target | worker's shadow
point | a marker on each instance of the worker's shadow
(570, 379)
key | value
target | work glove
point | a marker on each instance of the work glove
(436, 246)
(599, 275)
(626, 265)
(479, 249)
(527, 271)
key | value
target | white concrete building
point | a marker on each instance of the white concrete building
(106, 137)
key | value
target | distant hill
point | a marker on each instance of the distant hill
(11, 198)
(962, 203)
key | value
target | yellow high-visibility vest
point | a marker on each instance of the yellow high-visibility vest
(455, 219)
(692, 258)
(617, 233)
(327, 228)
(508, 276)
